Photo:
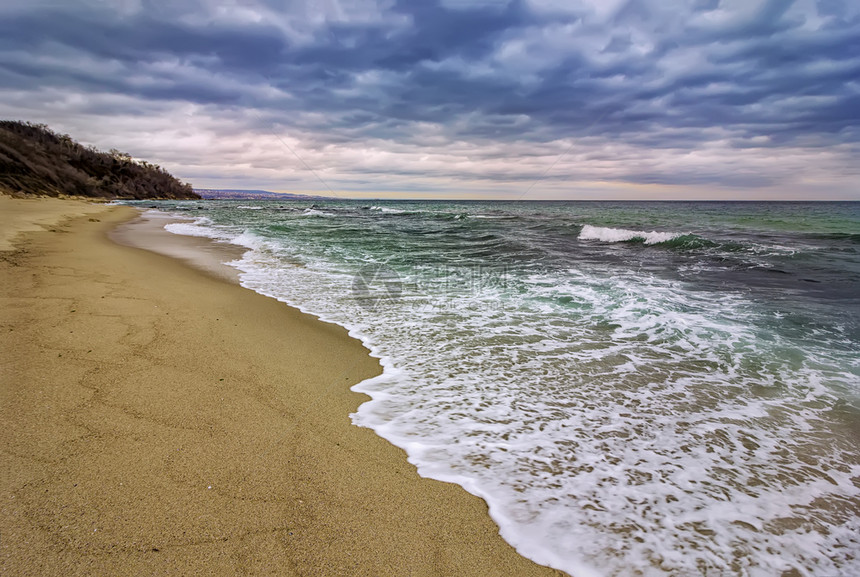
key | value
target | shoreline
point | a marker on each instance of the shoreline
(205, 254)
(160, 419)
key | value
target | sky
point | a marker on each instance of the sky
(495, 99)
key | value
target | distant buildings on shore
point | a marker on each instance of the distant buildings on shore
(216, 194)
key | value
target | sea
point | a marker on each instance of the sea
(634, 388)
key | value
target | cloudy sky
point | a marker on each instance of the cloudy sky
(438, 98)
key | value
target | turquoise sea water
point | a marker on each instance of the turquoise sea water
(659, 388)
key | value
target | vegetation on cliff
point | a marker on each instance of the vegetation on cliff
(36, 160)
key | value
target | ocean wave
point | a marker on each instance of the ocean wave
(315, 212)
(201, 227)
(250, 240)
(388, 210)
(444, 215)
(606, 234)
(492, 217)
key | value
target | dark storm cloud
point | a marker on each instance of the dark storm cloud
(142, 37)
(649, 74)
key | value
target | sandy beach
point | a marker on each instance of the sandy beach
(159, 419)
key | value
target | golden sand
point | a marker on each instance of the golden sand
(158, 420)
(18, 216)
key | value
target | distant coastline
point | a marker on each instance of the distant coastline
(235, 194)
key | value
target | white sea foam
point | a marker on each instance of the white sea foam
(388, 210)
(199, 227)
(595, 472)
(315, 212)
(605, 234)
(250, 240)
(205, 228)
(615, 425)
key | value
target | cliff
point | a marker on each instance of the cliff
(36, 160)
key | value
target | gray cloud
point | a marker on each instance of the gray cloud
(641, 92)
